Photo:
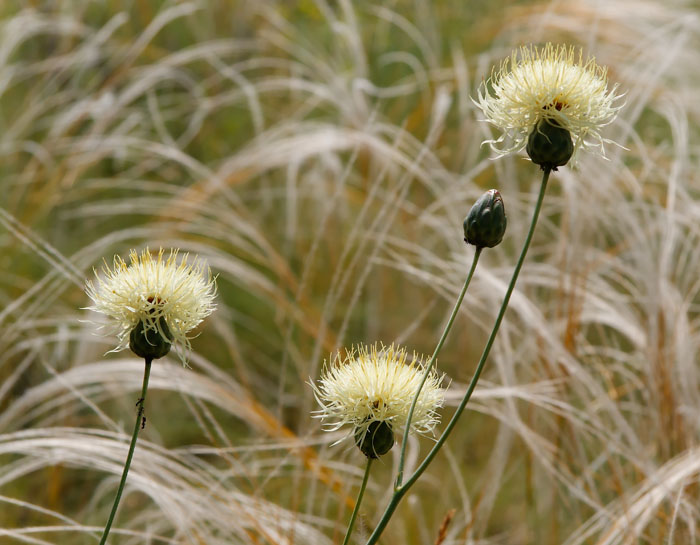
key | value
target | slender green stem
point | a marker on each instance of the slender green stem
(137, 426)
(358, 502)
(429, 365)
(399, 492)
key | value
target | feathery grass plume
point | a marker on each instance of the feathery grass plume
(169, 297)
(373, 387)
(552, 84)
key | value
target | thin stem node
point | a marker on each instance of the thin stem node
(431, 362)
(399, 491)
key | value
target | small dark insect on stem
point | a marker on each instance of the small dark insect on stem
(141, 410)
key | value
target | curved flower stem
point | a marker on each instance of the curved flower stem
(400, 491)
(358, 502)
(429, 365)
(137, 426)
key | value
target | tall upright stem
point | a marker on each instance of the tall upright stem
(358, 502)
(401, 490)
(137, 426)
(429, 365)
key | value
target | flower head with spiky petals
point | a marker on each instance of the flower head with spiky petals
(167, 296)
(371, 384)
(554, 84)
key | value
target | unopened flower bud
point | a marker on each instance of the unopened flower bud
(485, 224)
(377, 440)
(150, 343)
(549, 145)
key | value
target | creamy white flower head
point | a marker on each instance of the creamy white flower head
(149, 290)
(377, 385)
(552, 83)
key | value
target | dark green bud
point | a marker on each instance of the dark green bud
(377, 440)
(486, 222)
(549, 145)
(150, 344)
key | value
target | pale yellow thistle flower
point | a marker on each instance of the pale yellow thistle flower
(151, 289)
(552, 83)
(371, 384)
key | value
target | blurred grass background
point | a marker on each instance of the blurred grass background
(321, 156)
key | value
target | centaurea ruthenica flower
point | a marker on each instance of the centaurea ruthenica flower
(553, 84)
(154, 295)
(372, 389)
